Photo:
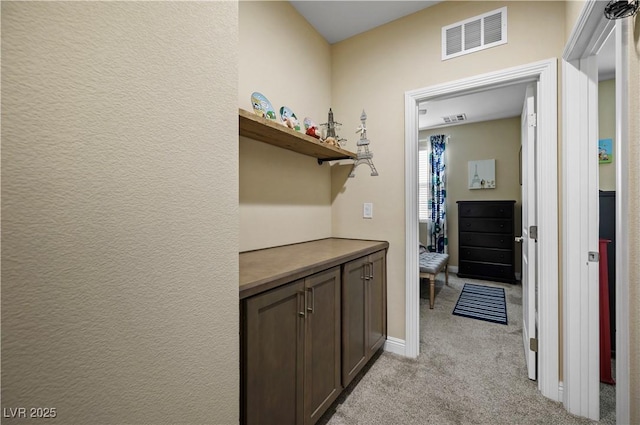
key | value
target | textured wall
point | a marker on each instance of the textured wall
(497, 139)
(284, 196)
(119, 211)
(374, 70)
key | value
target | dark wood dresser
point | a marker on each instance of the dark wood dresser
(486, 240)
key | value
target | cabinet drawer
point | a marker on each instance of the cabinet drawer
(489, 240)
(501, 256)
(485, 210)
(486, 269)
(488, 225)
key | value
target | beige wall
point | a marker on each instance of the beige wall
(607, 130)
(634, 217)
(285, 197)
(573, 8)
(373, 70)
(499, 140)
(119, 211)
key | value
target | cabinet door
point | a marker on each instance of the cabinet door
(322, 343)
(274, 350)
(376, 301)
(354, 344)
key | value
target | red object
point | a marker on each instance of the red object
(605, 335)
(313, 131)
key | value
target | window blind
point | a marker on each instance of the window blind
(424, 182)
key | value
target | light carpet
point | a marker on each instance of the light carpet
(468, 372)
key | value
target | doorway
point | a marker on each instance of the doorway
(544, 73)
(580, 277)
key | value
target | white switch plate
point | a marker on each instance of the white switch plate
(367, 210)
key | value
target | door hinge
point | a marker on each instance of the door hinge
(533, 232)
(594, 257)
(533, 344)
(533, 120)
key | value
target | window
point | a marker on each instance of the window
(424, 182)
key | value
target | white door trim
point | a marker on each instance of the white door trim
(545, 72)
(623, 385)
(580, 301)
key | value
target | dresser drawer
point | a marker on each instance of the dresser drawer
(500, 256)
(472, 268)
(488, 240)
(488, 225)
(479, 209)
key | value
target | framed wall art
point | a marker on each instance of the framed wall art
(605, 151)
(482, 174)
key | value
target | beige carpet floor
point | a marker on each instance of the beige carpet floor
(468, 372)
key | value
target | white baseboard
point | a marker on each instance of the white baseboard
(395, 346)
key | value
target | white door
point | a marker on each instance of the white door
(529, 253)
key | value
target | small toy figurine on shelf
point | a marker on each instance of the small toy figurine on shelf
(311, 128)
(329, 130)
(289, 119)
(313, 132)
(364, 156)
(292, 122)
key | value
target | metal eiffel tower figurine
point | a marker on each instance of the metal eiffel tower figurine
(364, 155)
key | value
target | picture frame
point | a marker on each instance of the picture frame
(605, 151)
(482, 174)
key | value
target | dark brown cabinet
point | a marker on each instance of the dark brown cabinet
(364, 321)
(274, 356)
(486, 240)
(304, 308)
(292, 350)
(322, 343)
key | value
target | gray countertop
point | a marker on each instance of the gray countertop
(268, 268)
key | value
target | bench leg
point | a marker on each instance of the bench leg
(432, 290)
(446, 274)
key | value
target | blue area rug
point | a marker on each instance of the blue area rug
(482, 303)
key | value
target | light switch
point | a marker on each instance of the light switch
(367, 210)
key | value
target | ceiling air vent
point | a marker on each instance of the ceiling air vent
(454, 118)
(475, 34)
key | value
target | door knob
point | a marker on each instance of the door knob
(519, 238)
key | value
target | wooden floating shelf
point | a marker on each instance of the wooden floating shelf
(263, 130)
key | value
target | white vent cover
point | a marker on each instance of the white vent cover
(454, 118)
(474, 34)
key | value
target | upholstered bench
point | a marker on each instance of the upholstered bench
(432, 263)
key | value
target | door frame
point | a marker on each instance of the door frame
(545, 72)
(580, 341)
(527, 243)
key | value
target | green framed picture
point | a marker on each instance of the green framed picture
(605, 151)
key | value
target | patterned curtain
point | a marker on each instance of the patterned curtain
(438, 196)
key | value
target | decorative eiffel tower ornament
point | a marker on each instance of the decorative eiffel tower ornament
(364, 155)
(330, 135)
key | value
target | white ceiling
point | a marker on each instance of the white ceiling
(338, 20)
(503, 102)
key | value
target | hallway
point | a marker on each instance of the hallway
(468, 371)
